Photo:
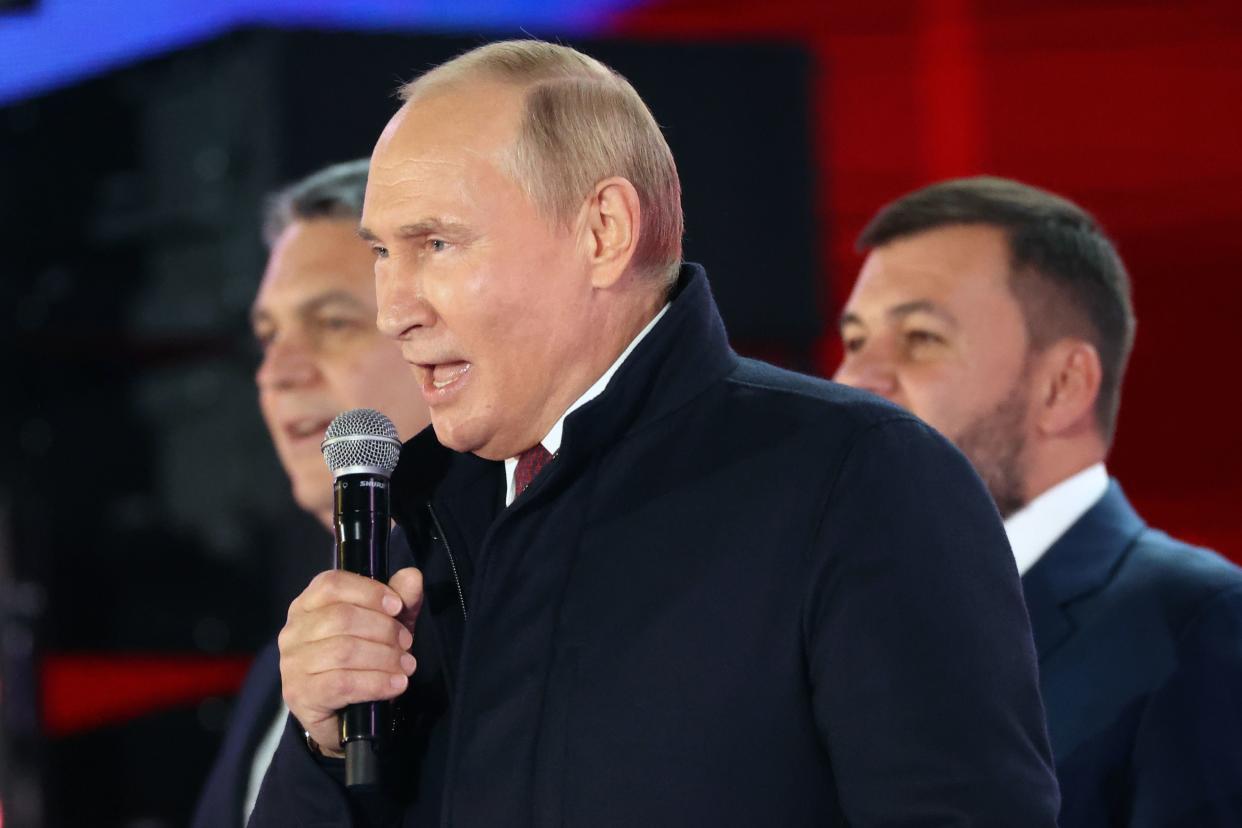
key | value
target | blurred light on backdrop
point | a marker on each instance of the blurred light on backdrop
(59, 42)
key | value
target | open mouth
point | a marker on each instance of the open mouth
(442, 376)
(441, 379)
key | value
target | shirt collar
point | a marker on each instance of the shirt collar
(552, 440)
(1034, 528)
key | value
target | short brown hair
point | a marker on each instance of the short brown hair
(582, 122)
(1065, 272)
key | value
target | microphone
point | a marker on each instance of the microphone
(361, 448)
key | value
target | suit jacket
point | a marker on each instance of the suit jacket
(736, 597)
(220, 802)
(1140, 650)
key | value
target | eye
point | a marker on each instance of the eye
(918, 338)
(853, 344)
(264, 337)
(380, 251)
(336, 323)
(437, 245)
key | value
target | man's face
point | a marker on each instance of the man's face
(932, 326)
(491, 302)
(315, 320)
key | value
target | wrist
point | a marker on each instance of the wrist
(317, 749)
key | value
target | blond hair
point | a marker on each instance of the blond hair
(581, 123)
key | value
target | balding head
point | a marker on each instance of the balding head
(580, 123)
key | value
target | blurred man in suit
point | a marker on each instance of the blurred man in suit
(658, 584)
(314, 318)
(1000, 314)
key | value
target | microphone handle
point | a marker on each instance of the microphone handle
(362, 528)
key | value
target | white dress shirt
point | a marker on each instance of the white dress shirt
(1034, 528)
(552, 441)
(263, 753)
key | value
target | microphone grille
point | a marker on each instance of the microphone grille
(361, 437)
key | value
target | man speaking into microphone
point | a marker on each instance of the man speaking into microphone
(312, 319)
(657, 584)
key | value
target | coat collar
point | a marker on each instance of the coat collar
(683, 354)
(1079, 564)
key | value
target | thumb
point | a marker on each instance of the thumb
(408, 583)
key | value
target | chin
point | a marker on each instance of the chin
(313, 496)
(450, 437)
(460, 437)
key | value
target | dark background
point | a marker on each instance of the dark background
(148, 543)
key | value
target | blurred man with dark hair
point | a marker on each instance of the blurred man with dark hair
(314, 318)
(658, 584)
(1000, 314)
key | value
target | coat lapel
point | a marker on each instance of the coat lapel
(1080, 563)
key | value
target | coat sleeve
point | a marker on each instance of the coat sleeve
(308, 791)
(920, 654)
(1187, 756)
(304, 790)
(299, 788)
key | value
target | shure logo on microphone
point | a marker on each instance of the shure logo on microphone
(373, 484)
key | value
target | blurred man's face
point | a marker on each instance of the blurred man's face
(932, 326)
(315, 320)
(490, 301)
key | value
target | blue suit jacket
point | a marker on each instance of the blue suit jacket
(220, 803)
(1140, 650)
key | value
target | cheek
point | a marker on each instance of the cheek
(938, 395)
(370, 373)
(468, 297)
(496, 313)
(267, 409)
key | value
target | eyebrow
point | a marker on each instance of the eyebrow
(311, 305)
(902, 311)
(419, 228)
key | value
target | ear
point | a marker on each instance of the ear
(1069, 388)
(611, 229)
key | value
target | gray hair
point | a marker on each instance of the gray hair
(335, 192)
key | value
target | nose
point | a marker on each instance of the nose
(287, 363)
(870, 369)
(402, 306)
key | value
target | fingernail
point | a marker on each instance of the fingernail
(405, 638)
(408, 663)
(398, 682)
(392, 604)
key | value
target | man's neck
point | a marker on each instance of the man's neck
(551, 440)
(616, 339)
(1051, 461)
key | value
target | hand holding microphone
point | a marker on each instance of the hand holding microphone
(345, 647)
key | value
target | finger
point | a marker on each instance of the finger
(335, 689)
(408, 584)
(349, 619)
(345, 652)
(339, 587)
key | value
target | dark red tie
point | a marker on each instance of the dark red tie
(529, 464)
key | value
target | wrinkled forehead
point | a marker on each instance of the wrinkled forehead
(437, 162)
